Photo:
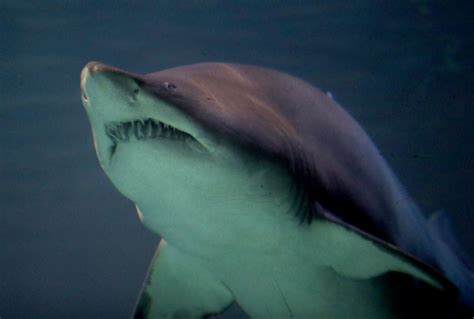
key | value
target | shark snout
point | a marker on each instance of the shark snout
(87, 71)
(98, 79)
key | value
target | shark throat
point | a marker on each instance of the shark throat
(145, 129)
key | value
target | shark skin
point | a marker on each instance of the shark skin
(266, 193)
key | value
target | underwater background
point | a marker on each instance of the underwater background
(71, 246)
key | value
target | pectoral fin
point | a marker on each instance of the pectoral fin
(178, 286)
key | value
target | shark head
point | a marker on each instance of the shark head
(158, 154)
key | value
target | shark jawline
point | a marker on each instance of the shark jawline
(144, 129)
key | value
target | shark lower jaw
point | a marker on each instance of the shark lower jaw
(149, 130)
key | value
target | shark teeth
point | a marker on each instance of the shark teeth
(143, 129)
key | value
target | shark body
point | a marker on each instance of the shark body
(266, 193)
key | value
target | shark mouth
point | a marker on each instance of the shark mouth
(148, 129)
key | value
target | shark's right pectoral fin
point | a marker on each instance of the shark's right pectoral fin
(177, 286)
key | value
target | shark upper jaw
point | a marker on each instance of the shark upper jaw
(146, 130)
(121, 111)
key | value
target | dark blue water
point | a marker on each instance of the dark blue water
(72, 247)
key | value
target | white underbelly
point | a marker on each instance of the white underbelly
(322, 271)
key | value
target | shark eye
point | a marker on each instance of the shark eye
(135, 91)
(169, 86)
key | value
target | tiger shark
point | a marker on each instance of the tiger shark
(267, 193)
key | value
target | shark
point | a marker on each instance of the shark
(265, 192)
